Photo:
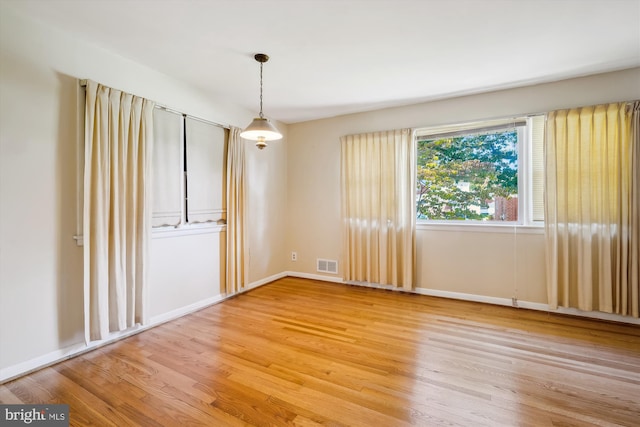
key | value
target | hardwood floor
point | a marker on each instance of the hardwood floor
(301, 352)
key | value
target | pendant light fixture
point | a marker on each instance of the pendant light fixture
(261, 130)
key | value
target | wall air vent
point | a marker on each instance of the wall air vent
(327, 266)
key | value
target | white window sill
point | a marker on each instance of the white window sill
(479, 227)
(187, 230)
(177, 231)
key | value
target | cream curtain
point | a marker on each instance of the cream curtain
(633, 286)
(378, 207)
(592, 199)
(118, 141)
(235, 212)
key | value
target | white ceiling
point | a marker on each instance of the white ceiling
(331, 57)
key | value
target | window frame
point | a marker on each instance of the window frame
(184, 227)
(525, 178)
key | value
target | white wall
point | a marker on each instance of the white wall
(503, 264)
(267, 195)
(41, 289)
(185, 269)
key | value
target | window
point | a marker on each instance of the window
(189, 160)
(188, 169)
(488, 172)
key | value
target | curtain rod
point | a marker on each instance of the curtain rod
(171, 110)
(628, 102)
(83, 83)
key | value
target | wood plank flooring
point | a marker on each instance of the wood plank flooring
(305, 353)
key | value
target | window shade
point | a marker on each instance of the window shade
(537, 167)
(167, 168)
(489, 126)
(205, 171)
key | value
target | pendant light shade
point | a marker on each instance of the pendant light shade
(261, 129)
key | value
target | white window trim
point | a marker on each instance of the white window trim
(480, 227)
(175, 231)
(525, 223)
(187, 230)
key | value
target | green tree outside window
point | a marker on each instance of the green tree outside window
(460, 178)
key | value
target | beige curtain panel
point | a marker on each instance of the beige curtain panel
(118, 140)
(378, 207)
(592, 198)
(236, 206)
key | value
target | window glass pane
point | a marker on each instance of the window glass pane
(473, 176)
(205, 171)
(167, 168)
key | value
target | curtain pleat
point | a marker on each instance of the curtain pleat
(592, 209)
(235, 277)
(378, 207)
(633, 290)
(118, 142)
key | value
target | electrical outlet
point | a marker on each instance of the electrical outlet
(294, 256)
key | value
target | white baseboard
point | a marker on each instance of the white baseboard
(183, 311)
(311, 276)
(510, 303)
(595, 315)
(23, 368)
(264, 281)
(489, 300)
(464, 297)
(530, 305)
